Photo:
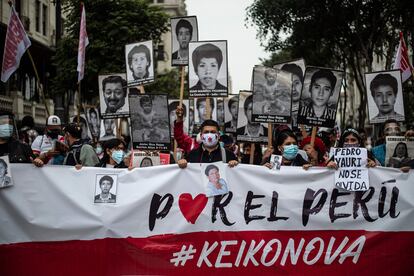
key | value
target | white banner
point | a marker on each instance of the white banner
(60, 203)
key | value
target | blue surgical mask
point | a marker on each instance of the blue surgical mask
(6, 131)
(118, 156)
(98, 150)
(290, 151)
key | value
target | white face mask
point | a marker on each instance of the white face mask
(210, 139)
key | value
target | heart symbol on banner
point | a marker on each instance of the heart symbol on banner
(192, 208)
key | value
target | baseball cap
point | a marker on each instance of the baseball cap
(53, 120)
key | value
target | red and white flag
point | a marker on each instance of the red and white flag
(401, 60)
(83, 42)
(15, 45)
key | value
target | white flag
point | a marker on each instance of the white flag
(83, 42)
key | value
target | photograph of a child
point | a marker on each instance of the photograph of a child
(213, 175)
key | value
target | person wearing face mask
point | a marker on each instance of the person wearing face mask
(351, 138)
(286, 144)
(209, 150)
(113, 154)
(17, 151)
(46, 147)
(391, 128)
(184, 141)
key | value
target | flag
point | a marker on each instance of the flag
(16, 43)
(401, 60)
(83, 42)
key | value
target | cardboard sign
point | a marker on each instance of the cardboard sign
(352, 173)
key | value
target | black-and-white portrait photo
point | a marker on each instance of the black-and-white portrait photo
(247, 130)
(191, 118)
(297, 69)
(220, 111)
(320, 96)
(399, 151)
(204, 111)
(231, 109)
(139, 60)
(385, 98)
(113, 96)
(5, 174)
(94, 121)
(208, 69)
(106, 188)
(108, 129)
(172, 107)
(83, 124)
(183, 31)
(150, 122)
(271, 95)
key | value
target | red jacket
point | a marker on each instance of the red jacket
(184, 141)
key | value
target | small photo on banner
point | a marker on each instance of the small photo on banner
(183, 31)
(247, 130)
(204, 111)
(94, 121)
(297, 69)
(399, 151)
(271, 95)
(150, 122)
(172, 106)
(231, 109)
(6, 178)
(106, 186)
(83, 124)
(139, 60)
(220, 111)
(113, 96)
(385, 97)
(319, 97)
(214, 177)
(142, 159)
(207, 69)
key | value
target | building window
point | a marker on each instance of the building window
(37, 16)
(44, 20)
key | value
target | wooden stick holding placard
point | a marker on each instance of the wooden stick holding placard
(182, 86)
(252, 150)
(269, 135)
(208, 109)
(118, 128)
(314, 130)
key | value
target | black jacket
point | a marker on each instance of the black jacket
(17, 151)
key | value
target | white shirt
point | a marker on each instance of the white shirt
(43, 144)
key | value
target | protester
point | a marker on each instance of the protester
(113, 154)
(351, 138)
(9, 145)
(391, 128)
(210, 150)
(80, 152)
(285, 144)
(50, 148)
(247, 151)
(27, 132)
(316, 152)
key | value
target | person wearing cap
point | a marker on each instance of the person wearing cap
(80, 153)
(17, 151)
(50, 148)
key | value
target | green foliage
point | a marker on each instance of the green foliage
(168, 83)
(345, 34)
(110, 24)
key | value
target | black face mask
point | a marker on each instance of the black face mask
(54, 133)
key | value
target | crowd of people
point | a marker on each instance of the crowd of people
(60, 145)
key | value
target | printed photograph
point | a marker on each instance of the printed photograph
(399, 151)
(106, 188)
(94, 121)
(231, 109)
(150, 122)
(5, 173)
(271, 95)
(385, 98)
(247, 130)
(139, 60)
(208, 69)
(113, 96)
(172, 107)
(183, 31)
(214, 175)
(320, 96)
